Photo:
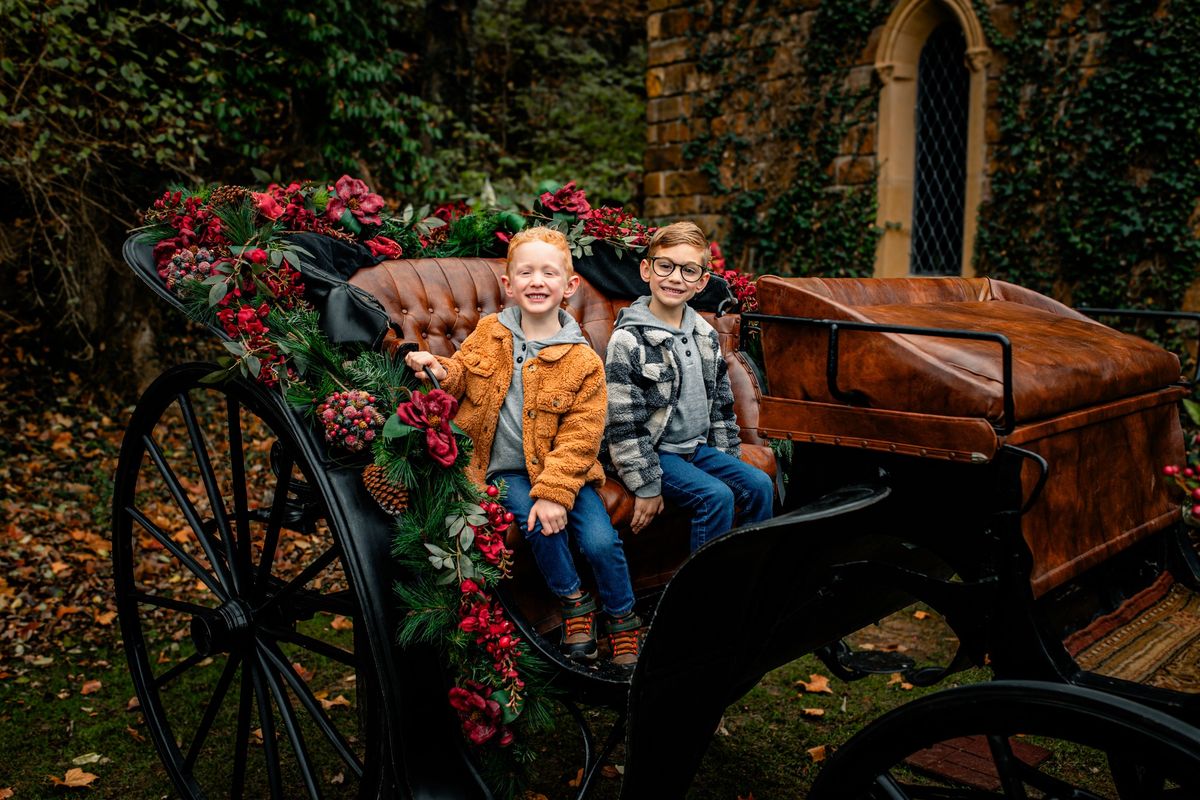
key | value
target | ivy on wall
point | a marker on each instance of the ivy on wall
(814, 225)
(1097, 173)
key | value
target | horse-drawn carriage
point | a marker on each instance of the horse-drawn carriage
(961, 443)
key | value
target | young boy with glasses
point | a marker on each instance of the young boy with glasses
(671, 432)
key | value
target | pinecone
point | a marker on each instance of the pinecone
(392, 497)
(228, 196)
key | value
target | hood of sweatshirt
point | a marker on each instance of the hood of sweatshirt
(569, 333)
(639, 315)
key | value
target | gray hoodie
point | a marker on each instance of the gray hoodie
(688, 421)
(508, 448)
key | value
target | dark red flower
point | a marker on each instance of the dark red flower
(383, 246)
(353, 195)
(267, 205)
(432, 413)
(568, 198)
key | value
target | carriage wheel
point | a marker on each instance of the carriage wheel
(240, 625)
(1131, 751)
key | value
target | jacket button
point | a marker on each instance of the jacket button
(556, 404)
(533, 460)
(533, 367)
(532, 413)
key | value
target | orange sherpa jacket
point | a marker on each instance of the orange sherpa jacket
(563, 415)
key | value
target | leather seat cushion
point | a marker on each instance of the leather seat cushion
(1061, 359)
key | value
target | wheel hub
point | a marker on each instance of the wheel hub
(219, 630)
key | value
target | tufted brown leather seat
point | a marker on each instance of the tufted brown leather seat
(436, 303)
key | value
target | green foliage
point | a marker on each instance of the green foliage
(1098, 169)
(813, 226)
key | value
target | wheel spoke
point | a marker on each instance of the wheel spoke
(1135, 781)
(266, 718)
(200, 448)
(210, 712)
(314, 709)
(290, 725)
(317, 646)
(168, 602)
(891, 790)
(241, 507)
(307, 574)
(189, 510)
(213, 583)
(241, 743)
(177, 670)
(1006, 767)
(275, 522)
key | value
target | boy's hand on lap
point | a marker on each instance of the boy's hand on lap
(420, 360)
(552, 515)
(645, 509)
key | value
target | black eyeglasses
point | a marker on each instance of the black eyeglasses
(664, 267)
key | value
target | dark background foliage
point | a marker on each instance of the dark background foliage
(105, 105)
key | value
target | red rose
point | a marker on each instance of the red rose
(568, 198)
(383, 246)
(267, 205)
(432, 413)
(353, 194)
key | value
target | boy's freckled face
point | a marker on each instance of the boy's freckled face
(672, 291)
(538, 279)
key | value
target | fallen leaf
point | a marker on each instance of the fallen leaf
(90, 686)
(106, 618)
(74, 778)
(86, 758)
(612, 770)
(340, 700)
(817, 754)
(920, 615)
(577, 780)
(58, 566)
(62, 611)
(815, 684)
(341, 623)
(133, 734)
(6, 793)
(133, 704)
(906, 686)
(304, 674)
(339, 778)
(814, 712)
(894, 679)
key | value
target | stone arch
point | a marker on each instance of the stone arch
(897, 58)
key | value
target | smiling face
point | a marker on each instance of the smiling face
(669, 293)
(538, 277)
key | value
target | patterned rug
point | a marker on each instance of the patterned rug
(1152, 639)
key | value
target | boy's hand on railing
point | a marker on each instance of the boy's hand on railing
(645, 509)
(552, 515)
(420, 360)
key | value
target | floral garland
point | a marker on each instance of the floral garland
(223, 251)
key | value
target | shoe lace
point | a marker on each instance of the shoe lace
(581, 624)
(624, 642)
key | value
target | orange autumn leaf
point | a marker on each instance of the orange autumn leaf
(74, 778)
(817, 754)
(6, 793)
(106, 618)
(575, 782)
(133, 734)
(341, 623)
(340, 700)
(90, 687)
(304, 674)
(920, 615)
(894, 679)
(62, 611)
(814, 712)
(816, 684)
(132, 704)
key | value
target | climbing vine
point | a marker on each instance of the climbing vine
(1097, 171)
(815, 225)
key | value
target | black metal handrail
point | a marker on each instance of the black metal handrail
(836, 325)
(1147, 313)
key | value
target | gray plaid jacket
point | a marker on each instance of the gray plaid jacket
(643, 389)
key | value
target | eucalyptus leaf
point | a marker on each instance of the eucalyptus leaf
(395, 429)
(447, 579)
(217, 293)
(237, 348)
(254, 365)
(437, 551)
(466, 539)
(477, 518)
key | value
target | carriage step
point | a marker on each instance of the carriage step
(849, 664)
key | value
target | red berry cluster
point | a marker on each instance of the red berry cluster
(607, 222)
(480, 715)
(189, 263)
(350, 419)
(489, 539)
(193, 221)
(1188, 479)
(482, 616)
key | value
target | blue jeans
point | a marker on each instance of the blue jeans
(592, 530)
(709, 485)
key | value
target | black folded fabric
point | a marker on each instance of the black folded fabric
(349, 315)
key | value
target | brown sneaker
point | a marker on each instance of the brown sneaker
(624, 635)
(578, 641)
